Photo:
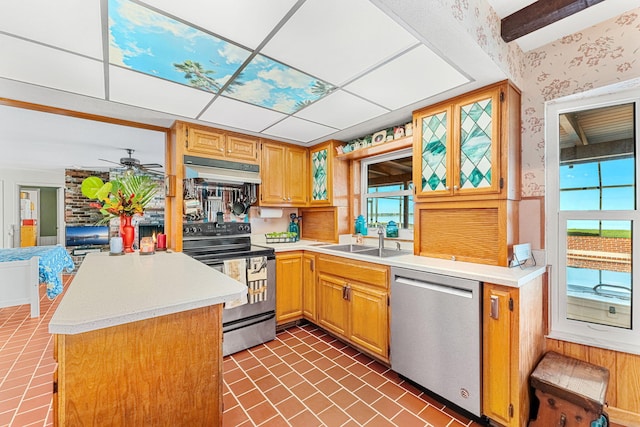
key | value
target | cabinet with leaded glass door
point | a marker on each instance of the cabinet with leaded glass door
(469, 146)
(329, 176)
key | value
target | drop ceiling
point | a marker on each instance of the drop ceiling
(298, 71)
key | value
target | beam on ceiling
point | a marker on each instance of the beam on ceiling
(597, 152)
(540, 14)
(569, 122)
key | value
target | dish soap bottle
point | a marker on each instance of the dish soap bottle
(392, 229)
(361, 225)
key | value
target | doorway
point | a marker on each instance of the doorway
(38, 216)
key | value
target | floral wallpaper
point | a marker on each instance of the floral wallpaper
(483, 24)
(605, 54)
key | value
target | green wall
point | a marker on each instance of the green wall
(48, 211)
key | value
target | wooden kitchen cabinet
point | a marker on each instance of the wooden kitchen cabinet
(353, 299)
(479, 231)
(148, 372)
(282, 172)
(309, 308)
(218, 144)
(328, 185)
(513, 327)
(288, 287)
(469, 146)
(333, 312)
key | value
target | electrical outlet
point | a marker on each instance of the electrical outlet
(521, 253)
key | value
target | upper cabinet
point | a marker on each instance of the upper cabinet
(469, 146)
(220, 144)
(282, 169)
(329, 176)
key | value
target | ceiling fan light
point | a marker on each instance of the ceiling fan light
(129, 172)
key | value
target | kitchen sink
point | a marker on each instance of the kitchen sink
(368, 250)
(386, 252)
(350, 248)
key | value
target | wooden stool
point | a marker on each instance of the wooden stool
(571, 392)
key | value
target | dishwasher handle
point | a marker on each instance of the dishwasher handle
(436, 287)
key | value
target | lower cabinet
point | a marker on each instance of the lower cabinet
(513, 327)
(288, 287)
(309, 298)
(353, 302)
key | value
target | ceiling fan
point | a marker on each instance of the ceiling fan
(131, 164)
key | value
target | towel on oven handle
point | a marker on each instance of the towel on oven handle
(236, 269)
(257, 279)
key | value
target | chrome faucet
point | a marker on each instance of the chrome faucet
(380, 238)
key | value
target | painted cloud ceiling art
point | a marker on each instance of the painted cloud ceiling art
(151, 43)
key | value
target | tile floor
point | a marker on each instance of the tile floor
(307, 378)
(302, 378)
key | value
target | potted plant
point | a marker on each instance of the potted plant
(120, 198)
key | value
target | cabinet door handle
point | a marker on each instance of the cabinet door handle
(312, 266)
(348, 293)
(494, 312)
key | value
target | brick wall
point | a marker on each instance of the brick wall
(76, 206)
(600, 253)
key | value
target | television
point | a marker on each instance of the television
(87, 235)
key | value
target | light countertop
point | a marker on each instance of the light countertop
(513, 277)
(114, 290)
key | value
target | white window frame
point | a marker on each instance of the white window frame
(561, 328)
(403, 233)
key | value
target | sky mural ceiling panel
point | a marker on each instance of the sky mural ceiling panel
(149, 42)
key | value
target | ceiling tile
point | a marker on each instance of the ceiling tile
(229, 112)
(335, 40)
(230, 18)
(416, 75)
(130, 87)
(44, 66)
(57, 23)
(341, 110)
(147, 41)
(270, 84)
(297, 129)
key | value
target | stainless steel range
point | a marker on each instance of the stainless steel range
(227, 247)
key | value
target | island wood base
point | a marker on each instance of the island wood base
(163, 371)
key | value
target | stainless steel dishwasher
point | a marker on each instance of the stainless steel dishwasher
(436, 334)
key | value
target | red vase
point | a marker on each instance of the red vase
(127, 232)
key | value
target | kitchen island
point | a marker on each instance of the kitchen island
(138, 341)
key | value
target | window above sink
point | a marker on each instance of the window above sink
(387, 191)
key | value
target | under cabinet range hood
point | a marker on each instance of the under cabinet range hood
(221, 170)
